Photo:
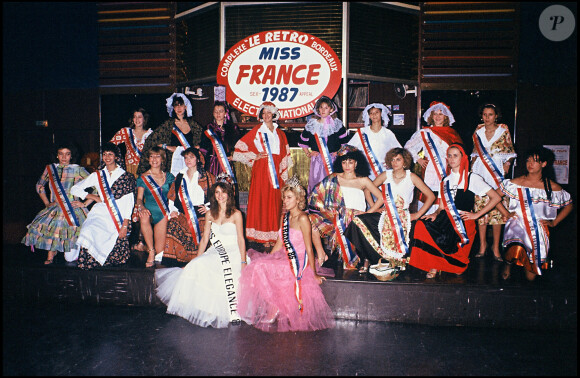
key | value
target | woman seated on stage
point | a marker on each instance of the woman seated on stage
(534, 200)
(189, 193)
(336, 200)
(386, 234)
(268, 296)
(442, 241)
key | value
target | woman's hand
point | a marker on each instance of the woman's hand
(414, 217)
(429, 217)
(123, 232)
(143, 212)
(506, 166)
(512, 214)
(262, 155)
(467, 215)
(76, 204)
(548, 223)
(93, 197)
(173, 214)
(202, 209)
(423, 162)
(322, 259)
(320, 279)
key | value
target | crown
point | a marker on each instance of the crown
(294, 182)
(224, 177)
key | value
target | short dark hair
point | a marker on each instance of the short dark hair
(407, 157)
(495, 108)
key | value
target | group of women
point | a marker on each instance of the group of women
(178, 184)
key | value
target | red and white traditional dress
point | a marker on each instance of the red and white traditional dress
(132, 156)
(264, 201)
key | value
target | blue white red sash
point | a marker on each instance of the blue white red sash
(324, 153)
(453, 213)
(132, 143)
(110, 200)
(293, 259)
(487, 160)
(395, 220)
(61, 197)
(158, 195)
(434, 154)
(531, 224)
(189, 211)
(271, 169)
(376, 166)
(349, 257)
(221, 153)
(180, 137)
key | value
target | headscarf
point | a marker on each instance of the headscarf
(438, 105)
(169, 104)
(385, 112)
(272, 108)
(463, 166)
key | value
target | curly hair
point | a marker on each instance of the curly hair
(214, 207)
(407, 157)
(362, 167)
(145, 117)
(299, 193)
(430, 120)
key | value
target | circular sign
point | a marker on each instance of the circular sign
(557, 23)
(287, 67)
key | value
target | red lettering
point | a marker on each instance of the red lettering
(295, 79)
(256, 72)
(312, 73)
(285, 74)
(270, 75)
(242, 73)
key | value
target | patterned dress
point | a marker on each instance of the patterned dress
(132, 158)
(206, 147)
(49, 230)
(501, 149)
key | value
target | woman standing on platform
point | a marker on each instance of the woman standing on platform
(375, 139)
(133, 137)
(534, 200)
(103, 237)
(56, 227)
(204, 292)
(280, 292)
(386, 234)
(189, 193)
(323, 135)
(429, 146)
(493, 154)
(336, 200)
(442, 241)
(176, 134)
(153, 206)
(265, 148)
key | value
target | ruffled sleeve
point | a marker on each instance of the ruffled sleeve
(560, 199)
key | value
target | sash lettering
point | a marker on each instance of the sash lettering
(324, 153)
(487, 160)
(434, 154)
(394, 220)
(349, 257)
(180, 137)
(293, 259)
(189, 211)
(61, 197)
(271, 169)
(132, 145)
(230, 284)
(376, 166)
(532, 225)
(110, 200)
(453, 213)
(221, 153)
(157, 193)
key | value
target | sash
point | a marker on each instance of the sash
(370, 155)
(434, 154)
(324, 153)
(132, 145)
(293, 259)
(271, 169)
(487, 160)
(189, 211)
(61, 197)
(349, 257)
(157, 193)
(180, 137)
(221, 153)
(531, 225)
(110, 199)
(230, 284)
(453, 213)
(393, 216)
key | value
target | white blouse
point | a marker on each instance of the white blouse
(415, 144)
(273, 139)
(498, 158)
(354, 198)
(404, 189)
(381, 142)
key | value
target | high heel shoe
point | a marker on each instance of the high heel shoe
(365, 267)
(150, 264)
(432, 273)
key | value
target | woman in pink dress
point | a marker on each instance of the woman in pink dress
(280, 292)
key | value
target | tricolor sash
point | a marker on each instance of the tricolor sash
(487, 160)
(61, 197)
(324, 153)
(229, 281)
(132, 145)
(349, 257)
(180, 137)
(293, 259)
(531, 224)
(394, 220)
(110, 200)
(157, 193)
(376, 166)
(271, 169)
(189, 211)
(434, 154)
(221, 153)
(453, 213)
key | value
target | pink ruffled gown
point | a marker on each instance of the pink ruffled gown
(267, 285)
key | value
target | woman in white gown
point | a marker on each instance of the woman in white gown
(205, 291)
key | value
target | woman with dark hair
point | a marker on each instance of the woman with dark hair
(442, 241)
(204, 292)
(56, 227)
(493, 154)
(336, 200)
(188, 193)
(103, 238)
(322, 136)
(386, 234)
(176, 134)
(152, 205)
(133, 137)
(534, 201)
(265, 148)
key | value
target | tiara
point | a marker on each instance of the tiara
(345, 149)
(294, 182)
(224, 177)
